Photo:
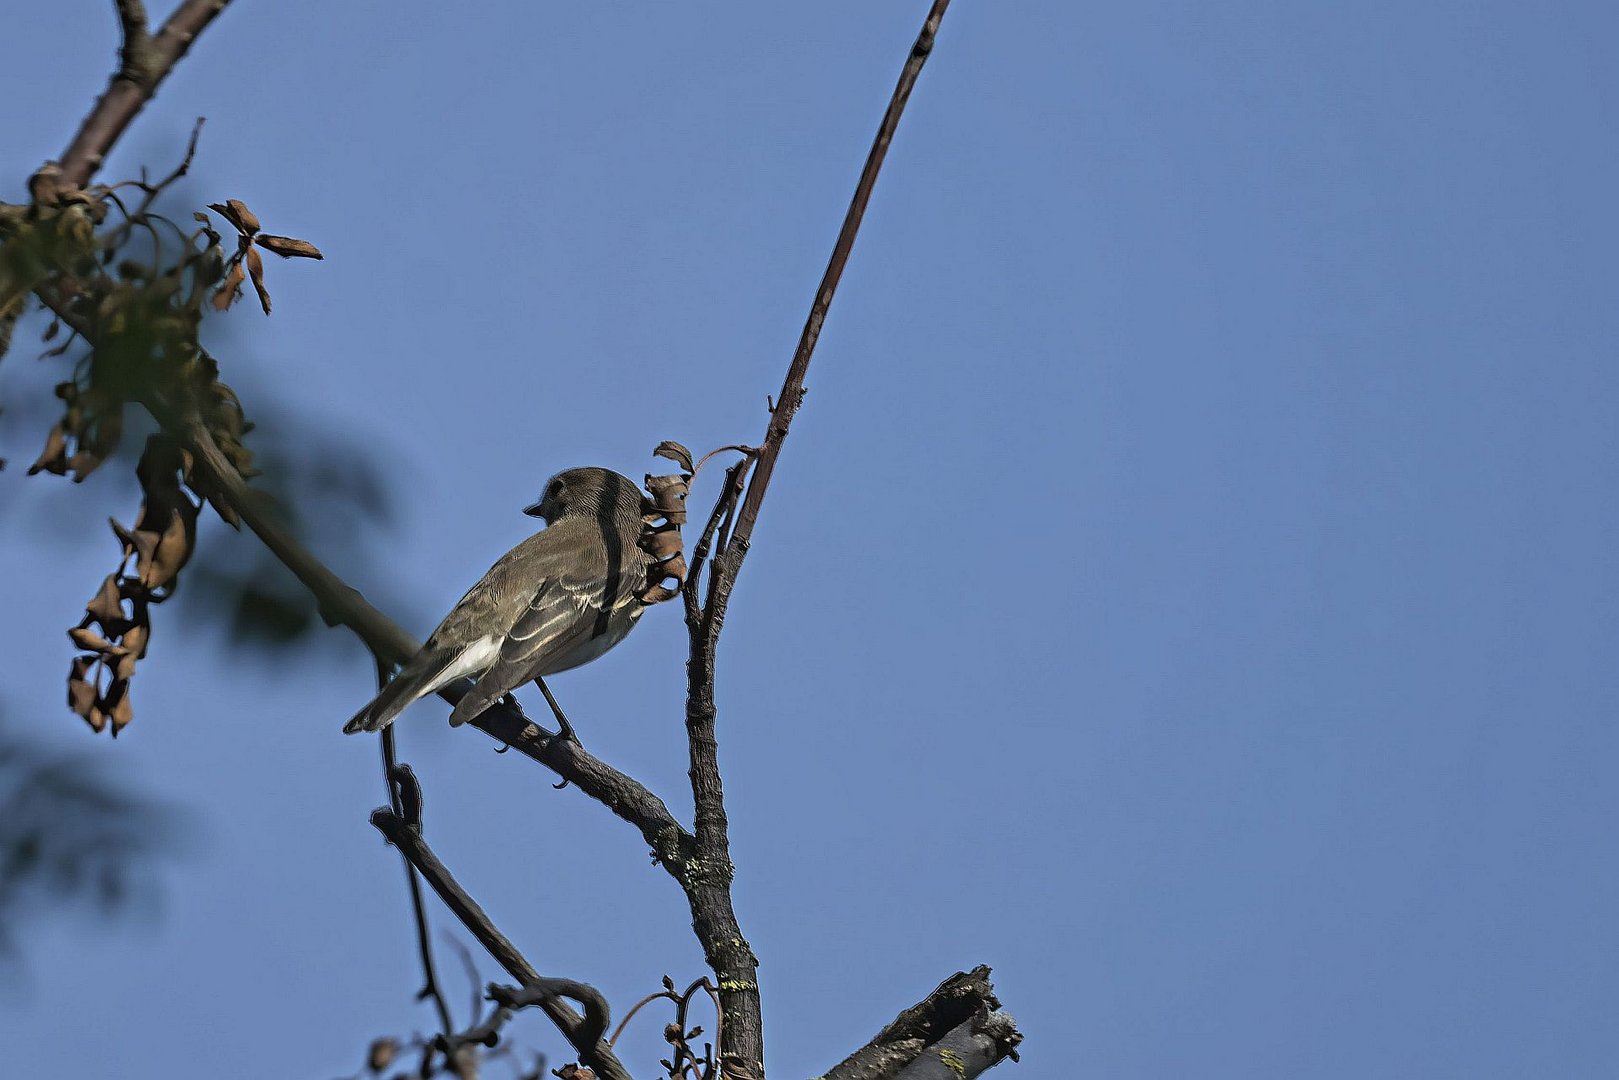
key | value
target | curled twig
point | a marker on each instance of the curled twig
(686, 1061)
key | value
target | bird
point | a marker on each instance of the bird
(559, 599)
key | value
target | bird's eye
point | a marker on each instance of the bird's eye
(553, 489)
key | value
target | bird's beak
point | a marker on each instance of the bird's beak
(534, 511)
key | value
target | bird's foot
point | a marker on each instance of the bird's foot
(565, 730)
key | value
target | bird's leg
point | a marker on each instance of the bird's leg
(564, 729)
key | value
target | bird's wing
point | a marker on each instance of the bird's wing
(424, 673)
(563, 615)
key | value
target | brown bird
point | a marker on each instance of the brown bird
(559, 599)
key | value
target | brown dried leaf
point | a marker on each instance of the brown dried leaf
(117, 706)
(660, 543)
(106, 607)
(172, 550)
(669, 497)
(81, 690)
(255, 270)
(230, 288)
(138, 542)
(133, 648)
(243, 217)
(236, 212)
(89, 640)
(287, 247)
(54, 459)
(381, 1054)
(672, 450)
(83, 463)
(657, 592)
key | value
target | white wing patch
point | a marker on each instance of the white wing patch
(473, 660)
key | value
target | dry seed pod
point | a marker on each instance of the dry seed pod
(675, 452)
(236, 212)
(381, 1054)
(81, 690)
(226, 294)
(89, 640)
(107, 606)
(54, 459)
(255, 270)
(287, 247)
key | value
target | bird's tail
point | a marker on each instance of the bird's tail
(417, 679)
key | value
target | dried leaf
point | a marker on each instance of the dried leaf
(54, 459)
(83, 463)
(132, 648)
(199, 216)
(227, 292)
(381, 1054)
(255, 270)
(660, 543)
(107, 606)
(245, 218)
(669, 497)
(116, 705)
(89, 640)
(173, 548)
(674, 452)
(236, 212)
(138, 542)
(81, 691)
(287, 247)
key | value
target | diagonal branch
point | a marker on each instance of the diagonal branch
(792, 388)
(145, 60)
(584, 1033)
(964, 999)
(342, 605)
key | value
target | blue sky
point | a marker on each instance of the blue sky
(1188, 587)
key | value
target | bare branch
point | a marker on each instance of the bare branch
(956, 1001)
(404, 792)
(967, 1050)
(584, 1033)
(145, 60)
(792, 388)
(132, 21)
(342, 605)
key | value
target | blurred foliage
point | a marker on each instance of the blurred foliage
(121, 291)
(71, 836)
(331, 490)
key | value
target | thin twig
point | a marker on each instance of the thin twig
(392, 775)
(792, 388)
(637, 1007)
(583, 1033)
(145, 60)
(469, 966)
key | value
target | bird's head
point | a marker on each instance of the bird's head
(586, 491)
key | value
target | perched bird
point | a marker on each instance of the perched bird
(559, 599)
